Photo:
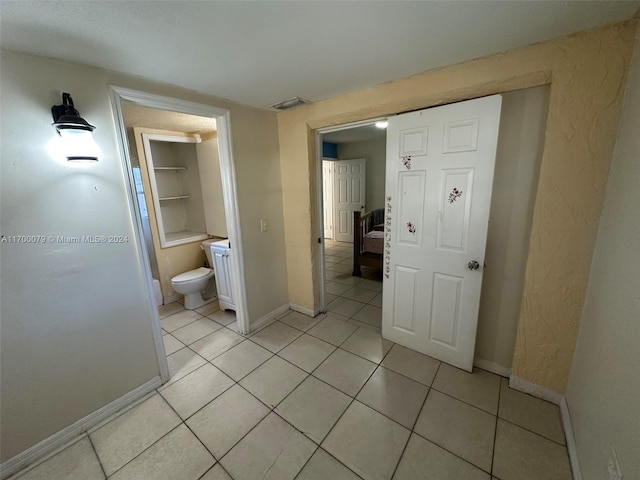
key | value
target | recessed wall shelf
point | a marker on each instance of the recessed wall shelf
(170, 168)
(176, 197)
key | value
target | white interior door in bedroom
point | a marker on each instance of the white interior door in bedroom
(439, 177)
(327, 198)
(349, 187)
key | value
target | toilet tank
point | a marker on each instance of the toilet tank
(206, 246)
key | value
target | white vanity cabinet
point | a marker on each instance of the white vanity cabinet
(220, 252)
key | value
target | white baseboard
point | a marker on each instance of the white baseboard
(536, 390)
(492, 367)
(269, 317)
(301, 309)
(571, 439)
(73, 432)
(172, 298)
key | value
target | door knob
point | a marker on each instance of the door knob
(473, 265)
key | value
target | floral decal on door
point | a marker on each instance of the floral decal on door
(454, 195)
(406, 161)
(411, 227)
(387, 239)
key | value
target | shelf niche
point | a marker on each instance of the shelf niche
(172, 164)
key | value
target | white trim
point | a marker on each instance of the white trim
(492, 367)
(570, 438)
(71, 434)
(319, 177)
(269, 317)
(116, 96)
(534, 389)
(301, 309)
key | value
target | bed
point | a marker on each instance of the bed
(368, 240)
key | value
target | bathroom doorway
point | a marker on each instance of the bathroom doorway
(138, 114)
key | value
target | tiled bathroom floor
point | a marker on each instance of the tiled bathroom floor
(315, 399)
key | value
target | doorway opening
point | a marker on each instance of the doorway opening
(519, 154)
(177, 156)
(351, 173)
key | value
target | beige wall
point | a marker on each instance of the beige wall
(586, 72)
(374, 151)
(76, 319)
(604, 386)
(521, 139)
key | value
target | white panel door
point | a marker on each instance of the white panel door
(327, 197)
(439, 177)
(349, 181)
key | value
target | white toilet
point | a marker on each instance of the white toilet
(197, 286)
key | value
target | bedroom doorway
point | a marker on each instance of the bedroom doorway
(341, 151)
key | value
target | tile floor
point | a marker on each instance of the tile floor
(314, 399)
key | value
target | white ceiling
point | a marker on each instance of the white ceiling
(262, 52)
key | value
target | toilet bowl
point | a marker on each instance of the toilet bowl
(197, 286)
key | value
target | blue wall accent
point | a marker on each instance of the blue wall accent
(329, 150)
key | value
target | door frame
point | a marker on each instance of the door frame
(229, 187)
(318, 133)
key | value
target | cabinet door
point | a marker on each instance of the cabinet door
(221, 269)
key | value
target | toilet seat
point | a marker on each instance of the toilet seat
(191, 275)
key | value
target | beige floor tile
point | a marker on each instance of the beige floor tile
(169, 309)
(129, 434)
(216, 473)
(344, 306)
(367, 344)
(371, 315)
(340, 267)
(242, 359)
(373, 328)
(393, 395)
(171, 344)
(323, 466)
(458, 427)
(333, 329)
(196, 330)
(76, 461)
(376, 301)
(411, 364)
(307, 352)
(183, 362)
(209, 308)
(423, 456)
(345, 371)
(180, 319)
(329, 297)
(313, 408)
(178, 454)
(300, 320)
(223, 317)
(277, 452)
(194, 391)
(276, 336)
(346, 278)
(359, 294)
(531, 413)
(216, 343)
(373, 285)
(522, 455)
(479, 388)
(273, 380)
(336, 288)
(223, 422)
(367, 442)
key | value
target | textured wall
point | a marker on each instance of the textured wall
(604, 387)
(587, 72)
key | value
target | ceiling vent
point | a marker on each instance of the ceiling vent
(287, 104)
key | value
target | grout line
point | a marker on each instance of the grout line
(495, 430)
(97, 456)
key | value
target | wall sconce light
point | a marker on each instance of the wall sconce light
(75, 131)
